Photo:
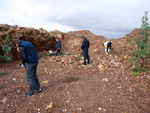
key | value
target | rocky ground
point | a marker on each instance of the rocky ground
(104, 86)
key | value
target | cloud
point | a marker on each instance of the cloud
(111, 19)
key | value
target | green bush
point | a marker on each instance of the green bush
(6, 49)
(143, 43)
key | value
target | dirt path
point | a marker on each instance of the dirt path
(75, 89)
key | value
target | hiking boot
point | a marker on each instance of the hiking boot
(30, 93)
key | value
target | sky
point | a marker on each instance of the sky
(109, 18)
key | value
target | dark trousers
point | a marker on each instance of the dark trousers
(86, 56)
(32, 78)
(58, 51)
(109, 46)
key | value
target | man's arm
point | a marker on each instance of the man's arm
(23, 55)
(89, 44)
(83, 44)
(59, 45)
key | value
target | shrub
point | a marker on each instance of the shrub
(6, 49)
(142, 42)
(143, 52)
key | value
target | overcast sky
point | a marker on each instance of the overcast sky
(109, 18)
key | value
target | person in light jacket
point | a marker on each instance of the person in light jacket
(107, 45)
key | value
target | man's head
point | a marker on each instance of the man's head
(15, 44)
(82, 37)
(57, 39)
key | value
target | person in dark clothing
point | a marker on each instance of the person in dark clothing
(30, 62)
(58, 47)
(85, 46)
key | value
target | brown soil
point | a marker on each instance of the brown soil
(104, 86)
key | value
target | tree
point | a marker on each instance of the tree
(143, 43)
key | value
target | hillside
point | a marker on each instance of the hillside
(104, 86)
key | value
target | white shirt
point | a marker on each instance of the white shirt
(105, 44)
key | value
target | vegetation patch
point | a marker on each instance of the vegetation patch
(78, 35)
(60, 66)
(134, 74)
(2, 74)
(90, 78)
(78, 58)
(6, 49)
(71, 79)
(128, 41)
(1, 87)
(142, 53)
(138, 69)
(69, 54)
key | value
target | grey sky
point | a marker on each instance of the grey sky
(109, 18)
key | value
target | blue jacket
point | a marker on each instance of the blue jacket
(28, 52)
(85, 44)
(59, 44)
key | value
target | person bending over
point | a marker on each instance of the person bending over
(107, 45)
(30, 62)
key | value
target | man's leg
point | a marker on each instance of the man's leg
(88, 57)
(109, 46)
(84, 55)
(36, 80)
(60, 52)
(107, 50)
(30, 78)
(56, 52)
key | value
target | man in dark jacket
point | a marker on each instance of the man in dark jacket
(30, 58)
(58, 47)
(85, 46)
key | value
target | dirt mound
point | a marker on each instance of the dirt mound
(104, 85)
(43, 40)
